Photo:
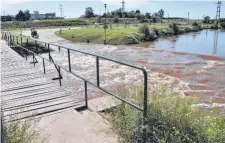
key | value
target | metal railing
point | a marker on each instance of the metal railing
(10, 38)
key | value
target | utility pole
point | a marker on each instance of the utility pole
(4, 16)
(61, 10)
(188, 18)
(218, 12)
(61, 17)
(105, 27)
(123, 8)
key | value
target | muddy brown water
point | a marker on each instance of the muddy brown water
(192, 63)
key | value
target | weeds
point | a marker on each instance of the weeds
(20, 132)
(171, 119)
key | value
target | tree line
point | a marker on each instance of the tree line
(23, 15)
(89, 13)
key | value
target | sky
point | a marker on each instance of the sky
(75, 8)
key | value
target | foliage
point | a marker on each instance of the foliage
(89, 12)
(206, 19)
(174, 28)
(45, 23)
(20, 132)
(195, 24)
(99, 19)
(161, 13)
(171, 118)
(23, 16)
(144, 29)
(138, 11)
(147, 15)
(116, 20)
(222, 24)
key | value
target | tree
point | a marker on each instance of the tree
(27, 15)
(20, 16)
(161, 14)
(131, 14)
(138, 16)
(89, 12)
(138, 11)
(206, 19)
(147, 15)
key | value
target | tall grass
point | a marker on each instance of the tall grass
(21, 132)
(171, 118)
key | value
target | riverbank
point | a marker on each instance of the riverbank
(122, 35)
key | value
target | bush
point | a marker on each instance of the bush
(194, 24)
(21, 132)
(174, 28)
(187, 29)
(171, 118)
(222, 24)
(144, 29)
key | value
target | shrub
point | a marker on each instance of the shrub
(187, 29)
(222, 24)
(194, 24)
(174, 28)
(144, 29)
(21, 132)
(171, 118)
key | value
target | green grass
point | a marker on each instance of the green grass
(118, 35)
(21, 132)
(171, 118)
(97, 35)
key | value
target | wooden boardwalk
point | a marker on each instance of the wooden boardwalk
(26, 91)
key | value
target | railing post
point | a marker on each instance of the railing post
(49, 52)
(13, 38)
(97, 70)
(59, 48)
(44, 65)
(86, 98)
(60, 77)
(36, 47)
(21, 40)
(145, 106)
(33, 60)
(69, 59)
(17, 40)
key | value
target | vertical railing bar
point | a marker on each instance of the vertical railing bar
(97, 70)
(33, 60)
(17, 40)
(21, 40)
(145, 105)
(60, 77)
(86, 98)
(69, 63)
(36, 47)
(44, 65)
(49, 52)
(59, 48)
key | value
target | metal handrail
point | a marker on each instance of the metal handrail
(58, 67)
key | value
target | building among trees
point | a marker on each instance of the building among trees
(37, 16)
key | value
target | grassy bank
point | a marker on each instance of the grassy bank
(171, 118)
(120, 35)
(43, 23)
